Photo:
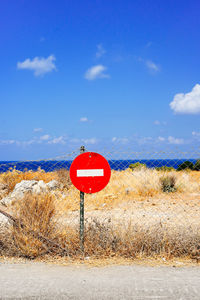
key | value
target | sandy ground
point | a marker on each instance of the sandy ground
(169, 210)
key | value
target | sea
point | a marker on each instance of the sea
(53, 165)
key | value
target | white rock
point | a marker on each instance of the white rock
(23, 187)
(6, 200)
(53, 185)
(4, 221)
(40, 187)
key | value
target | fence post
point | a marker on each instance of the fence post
(82, 150)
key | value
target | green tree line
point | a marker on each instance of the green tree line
(186, 165)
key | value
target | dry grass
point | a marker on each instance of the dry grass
(126, 186)
(7, 246)
(34, 214)
(132, 217)
(141, 182)
(105, 240)
(62, 176)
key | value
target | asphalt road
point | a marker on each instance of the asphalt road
(41, 281)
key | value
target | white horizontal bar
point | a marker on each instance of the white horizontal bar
(90, 172)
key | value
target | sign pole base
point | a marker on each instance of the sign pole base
(82, 222)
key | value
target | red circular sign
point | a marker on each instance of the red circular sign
(90, 172)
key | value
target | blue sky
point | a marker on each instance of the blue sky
(109, 74)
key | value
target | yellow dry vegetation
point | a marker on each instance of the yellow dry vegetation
(13, 176)
(38, 225)
(126, 186)
(34, 216)
(132, 217)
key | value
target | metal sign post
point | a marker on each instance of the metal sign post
(82, 150)
(90, 173)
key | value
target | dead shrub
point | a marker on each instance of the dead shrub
(168, 184)
(102, 239)
(7, 246)
(99, 238)
(35, 223)
(62, 176)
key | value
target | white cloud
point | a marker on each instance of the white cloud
(188, 103)
(156, 122)
(75, 141)
(100, 51)
(91, 141)
(37, 129)
(58, 140)
(18, 143)
(36, 140)
(160, 123)
(120, 140)
(39, 65)
(45, 137)
(27, 143)
(152, 66)
(88, 141)
(84, 119)
(175, 141)
(144, 140)
(96, 72)
(161, 139)
(7, 142)
(195, 133)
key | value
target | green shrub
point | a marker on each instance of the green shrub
(168, 184)
(186, 165)
(137, 166)
(197, 165)
(165, 168)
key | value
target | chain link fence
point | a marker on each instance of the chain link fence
(150, 207)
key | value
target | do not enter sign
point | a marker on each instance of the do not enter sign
(90, 172)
